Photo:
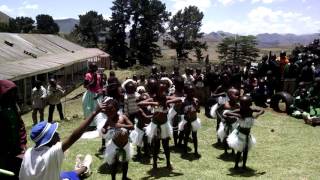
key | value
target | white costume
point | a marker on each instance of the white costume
(237, 140)
(162, 131)
(113, 151)
(136, 136)
(225, 128)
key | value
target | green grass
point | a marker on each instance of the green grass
(286, 149)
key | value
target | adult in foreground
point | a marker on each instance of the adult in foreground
(13, 136)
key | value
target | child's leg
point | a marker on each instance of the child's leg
(59, 107)
(236, 166)
(195, 142)
(156, 149)
(41, 112)
(181, 135)
(165, 145)
(103, 146)
(114, 170)
(186, 138)
(245, 157)
(125, 166)
(34, 116)
(138, 152)
(146, 146)
(51, 110)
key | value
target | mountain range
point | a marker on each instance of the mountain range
(66, 25)
(265, 40)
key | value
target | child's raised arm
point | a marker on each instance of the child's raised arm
(126, 124)
(258, 112)
(148, 102)
(76, 134)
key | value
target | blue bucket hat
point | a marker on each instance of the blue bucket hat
(43, 132)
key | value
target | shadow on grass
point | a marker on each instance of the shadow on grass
(218, 145)
(227, 157)
(190, 156)
(245, 172)
(160, 173)
(105, 169)
(145, 159)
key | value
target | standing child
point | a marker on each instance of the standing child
(190, 122)
(130, 100)
(229, 124)
(240, 139)
(117, 135)
(38, 96)
(160, 129)
(138, 135)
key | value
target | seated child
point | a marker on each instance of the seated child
(45, 159)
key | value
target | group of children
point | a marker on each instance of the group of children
(147, 112)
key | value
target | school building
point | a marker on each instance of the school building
(25, 58)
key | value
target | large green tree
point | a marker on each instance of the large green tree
(149, 17)
(18, 25)
(116, 41)
(185, 32)
(46, 24)
(238, 49)
(90, 28)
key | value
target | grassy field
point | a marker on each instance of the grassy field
(286, 149)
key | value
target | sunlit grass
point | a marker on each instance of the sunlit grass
(286, 149)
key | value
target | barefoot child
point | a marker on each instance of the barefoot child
(227, 125)
(138, 135)
(240, 139)
(117, 135)
(159, 129)
(190, 122)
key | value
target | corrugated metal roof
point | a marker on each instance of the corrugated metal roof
(52, 53)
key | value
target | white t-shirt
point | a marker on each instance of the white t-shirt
(43, 163)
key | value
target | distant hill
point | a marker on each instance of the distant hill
(66, 25)
(4, 18)
(267, 40)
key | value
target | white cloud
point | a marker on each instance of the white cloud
(265, 20)
(5, 9)
(226, 2)
(29, 6)
(203, 5)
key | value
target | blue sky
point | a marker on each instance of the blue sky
(236, 16)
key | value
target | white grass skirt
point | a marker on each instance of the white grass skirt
(152, 131)
(136, 136)
(195, 125)
(238, 141)
(171, 114)
(213, 110)
(113, 151)
(223, 130)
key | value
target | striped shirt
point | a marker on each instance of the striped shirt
(130, 104)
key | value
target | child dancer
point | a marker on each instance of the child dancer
(138, 135)
(117, 135)
(190, 122)
(159, 129)
(130, 100)
(240, 139)
(229, 124)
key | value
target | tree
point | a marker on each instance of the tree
(116, 41)
(88, 31)
(149, 17)
(46, 24)
(185, 30)
(18, 25)
(238, 49)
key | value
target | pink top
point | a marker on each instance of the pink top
(97, 87)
